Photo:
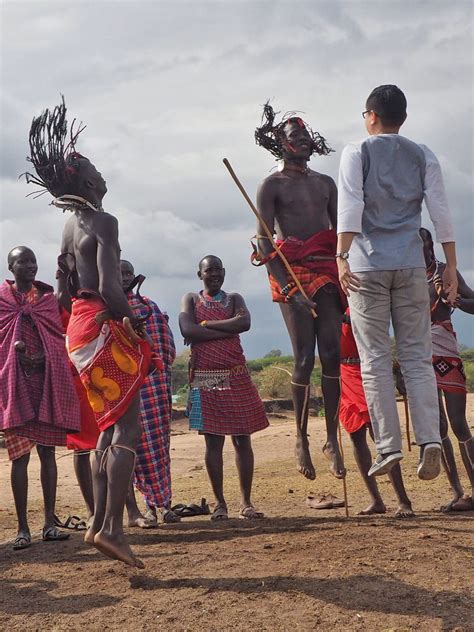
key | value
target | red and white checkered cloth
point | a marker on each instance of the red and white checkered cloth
(237, 410)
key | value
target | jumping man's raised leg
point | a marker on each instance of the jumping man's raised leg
(328, 332)
(119, 463)
(301, 327)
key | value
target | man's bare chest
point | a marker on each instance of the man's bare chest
(302, 194)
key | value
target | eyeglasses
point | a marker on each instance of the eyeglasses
(367, 111)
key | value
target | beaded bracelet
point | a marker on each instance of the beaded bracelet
(287, 288)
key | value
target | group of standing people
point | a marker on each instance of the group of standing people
(359, 243)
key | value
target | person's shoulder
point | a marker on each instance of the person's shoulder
(190, 297)
(45, 289)
(323, 177)
(273, 180)
(430, 156)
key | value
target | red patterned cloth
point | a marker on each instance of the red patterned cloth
(42, 406)
(87, 438)
(152, 466)
(17, 446)
(312, 273)
(447, 363)
(223, 400)
(353, 411)
(111, 366)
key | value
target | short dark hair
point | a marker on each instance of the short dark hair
(11, 254)
(389, 103)
(210, 257)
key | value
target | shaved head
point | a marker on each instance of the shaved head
(210, 259)
(16, 252)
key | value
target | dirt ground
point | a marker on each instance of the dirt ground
(297, 569)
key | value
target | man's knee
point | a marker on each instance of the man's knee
(330, 358)
(304, 363)
(241, 442)
(21, 462)
(214, 442)
(46, 452)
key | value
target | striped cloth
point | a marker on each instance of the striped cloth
(152, 468)
(223, 400)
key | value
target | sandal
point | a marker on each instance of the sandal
(22, 541)
(250, 513)
(53, 534)
(168, 516)
(71, 522)
(324, 501)
(220, 513)
(191, 510)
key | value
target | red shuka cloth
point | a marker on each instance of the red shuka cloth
(46, 414)
(111, 367)
(353, 411)
(312, 274)
(236, 409)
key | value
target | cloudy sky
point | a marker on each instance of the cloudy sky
(168, 89)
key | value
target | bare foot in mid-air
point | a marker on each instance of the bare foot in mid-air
(404, 510)
(377, 507)
(117, 548)
(304, 465)
(90, 534)
(333, 454)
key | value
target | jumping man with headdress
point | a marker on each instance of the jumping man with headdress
(299, 204)
(111, 360)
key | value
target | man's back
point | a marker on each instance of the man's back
(393, 170)
(82, 234)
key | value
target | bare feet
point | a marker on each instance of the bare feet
(377, 507)
(304, 465)
(117, 548)
(333, 454)
(465, 503)
(449, 507)
(142, 522)
(404, 510)
(90, 535)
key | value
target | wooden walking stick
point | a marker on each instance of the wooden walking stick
(268, 233)
(289, 269)
(344, 485)
(407, 421)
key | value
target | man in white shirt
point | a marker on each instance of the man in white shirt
(382, 183)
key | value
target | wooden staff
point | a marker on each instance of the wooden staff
(295, 279)
(344, 485)
(407, 421)
(269, 234)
